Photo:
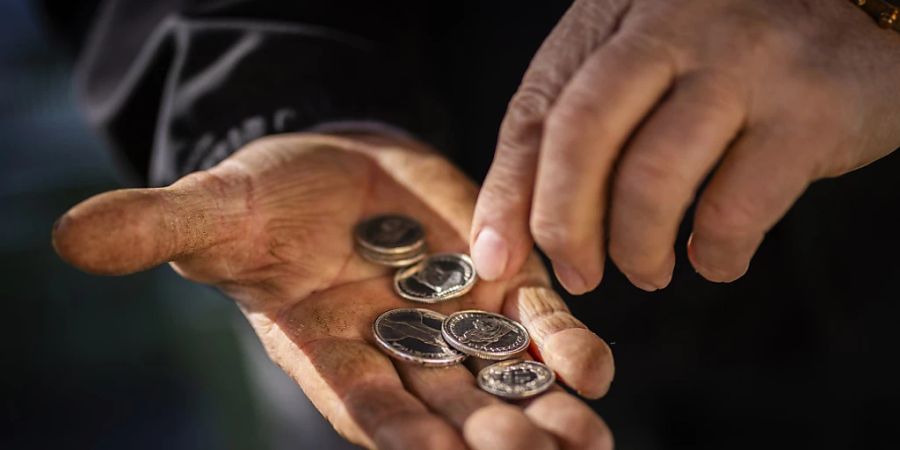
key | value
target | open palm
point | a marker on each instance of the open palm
(272, 228)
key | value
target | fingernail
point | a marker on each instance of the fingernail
(718, 262)
(650, 286)
(643, 285)
(570, 278)
(668, 281)
(490, 254)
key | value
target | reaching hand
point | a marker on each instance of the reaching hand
(630, 104)
(272, 228)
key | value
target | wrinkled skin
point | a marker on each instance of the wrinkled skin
(272, 228)
(630, 105)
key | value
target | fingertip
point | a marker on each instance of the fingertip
(109, 234)
(573, 280)
(719, 276)
(572, 422)
(503, 426)
(60, 239)
(500, 243)
(641, 284)
(718, 264)
(490, 253)
(77, 242)
(667, 280)
(646, 273)
(582, 360)
(417, 430)
(650, 286)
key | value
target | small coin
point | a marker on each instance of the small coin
(516, 379)
(414, 334)
(438, 277)
(392, 260)
(485, 335)
(390, 234)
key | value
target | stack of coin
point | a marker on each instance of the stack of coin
(428, 338)
(391, 240)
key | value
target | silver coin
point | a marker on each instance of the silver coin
(392, 260)
(485, 335)
(414, 334)
(438, 277)
(516, 379)
(390, 234)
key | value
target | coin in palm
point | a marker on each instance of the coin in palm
(391, 240)
(414, 335)
(438, 277)
(516, 379)
(485, 335)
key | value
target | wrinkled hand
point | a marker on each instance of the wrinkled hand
(272, 227)
(630, 104)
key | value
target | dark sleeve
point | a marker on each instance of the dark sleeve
(177, 86)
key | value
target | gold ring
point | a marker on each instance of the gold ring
(886, 14)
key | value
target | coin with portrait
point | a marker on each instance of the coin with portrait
(484, 334)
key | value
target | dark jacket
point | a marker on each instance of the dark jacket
(176, 86)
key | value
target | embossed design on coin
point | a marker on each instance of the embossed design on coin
(485, 335)
(390, 233)
(414, 334)
(516, 379)
(437, 278)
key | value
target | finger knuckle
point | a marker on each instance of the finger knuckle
(524, 118)
(226, 181)
(559, 237)
(650, 184)
(726, 217)
(603, 11)
(715, 92)
(544, 324)
(552, 235)
(573, 113)
(530, 103)
(501, 192)
(760, 39)
(643, 49)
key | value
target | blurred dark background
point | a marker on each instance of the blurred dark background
(802, 352)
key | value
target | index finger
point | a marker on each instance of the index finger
(499, 238)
